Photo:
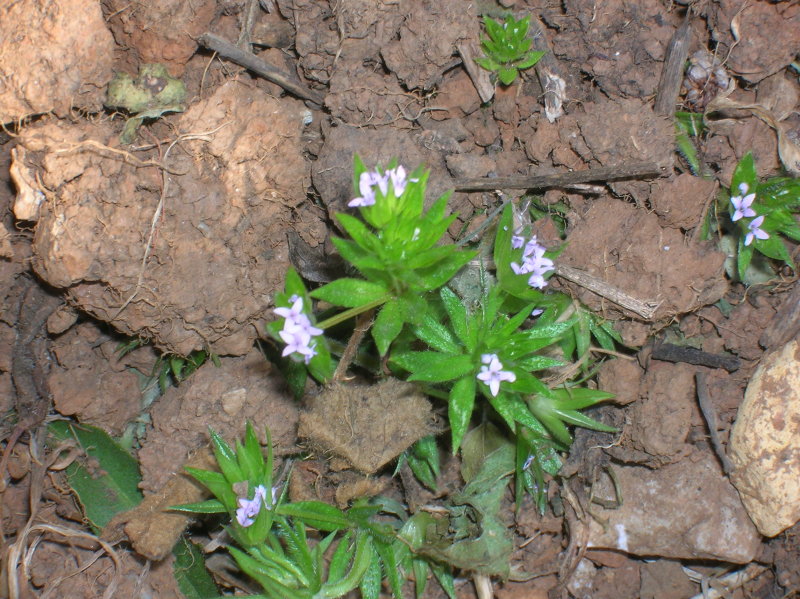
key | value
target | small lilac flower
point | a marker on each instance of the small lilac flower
(537, 311)
(755, 230)
(742, 203)
(293, 312)
(492, 373)
(533, 262)
(249, 508)
(366, 181)
(297, 330)
(517, 241)
(398, 178)
(297, 342)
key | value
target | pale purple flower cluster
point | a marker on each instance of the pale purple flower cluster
(249, 508)
(297, 331)
(492, 373)
(369, 179)
(533, 261)
(742, 209)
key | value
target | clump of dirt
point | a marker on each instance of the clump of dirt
(240, 390)
(131, 240)
(628, 249)
(54, 57)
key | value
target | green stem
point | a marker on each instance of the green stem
(342, 316)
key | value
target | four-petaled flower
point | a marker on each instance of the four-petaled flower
(755, 230)
(297, 331)
(533, 261)
(742, 203)
(249, 508)
(492, 373)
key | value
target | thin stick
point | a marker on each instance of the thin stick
(645, 309)
(363, 322)
(669, 86)
(710, 416)
(252, 62)
(604, 173)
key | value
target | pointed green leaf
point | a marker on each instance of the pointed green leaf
(460, 406)
(350, 293)
(388, 324)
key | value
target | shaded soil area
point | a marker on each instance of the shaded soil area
(182, 239)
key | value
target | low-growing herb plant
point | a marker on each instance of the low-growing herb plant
(307, 549)
(508, 48)
(489, 351)
(760, 214)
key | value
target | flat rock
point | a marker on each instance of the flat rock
(765, 443)
(687, 510)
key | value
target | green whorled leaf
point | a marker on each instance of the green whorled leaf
(317, 514)
(361, 562)
(578, 398)
(420, 569)
(578, 419)
(512, 324)
(604, 333)
(437, 335)
(546, 452)
(341, 558)
(350, 293)
(391, 567)
(514, 410)
(226, 459)
(539, 363)
(434, 367)
(322, 365)
(423, 459)
(544, 408)
(190, 572)
(478, 443)
(370, 586)
(388, 324)
(459, 410)
(435, 276)
(215, 482)
(530, 59)
(445, 578)
(103, 491)
(743, 258)
(429, 257)
(790, 229)
(493, 28)
(745, 172)
(359, 233)
(506, 75)
(487, 63)
(266, 575)
(364, 261)
(251, 459)
(525, 384)
(774, 248)
(458, 316)
(293, 284)
(295, 374)
(211, 506)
